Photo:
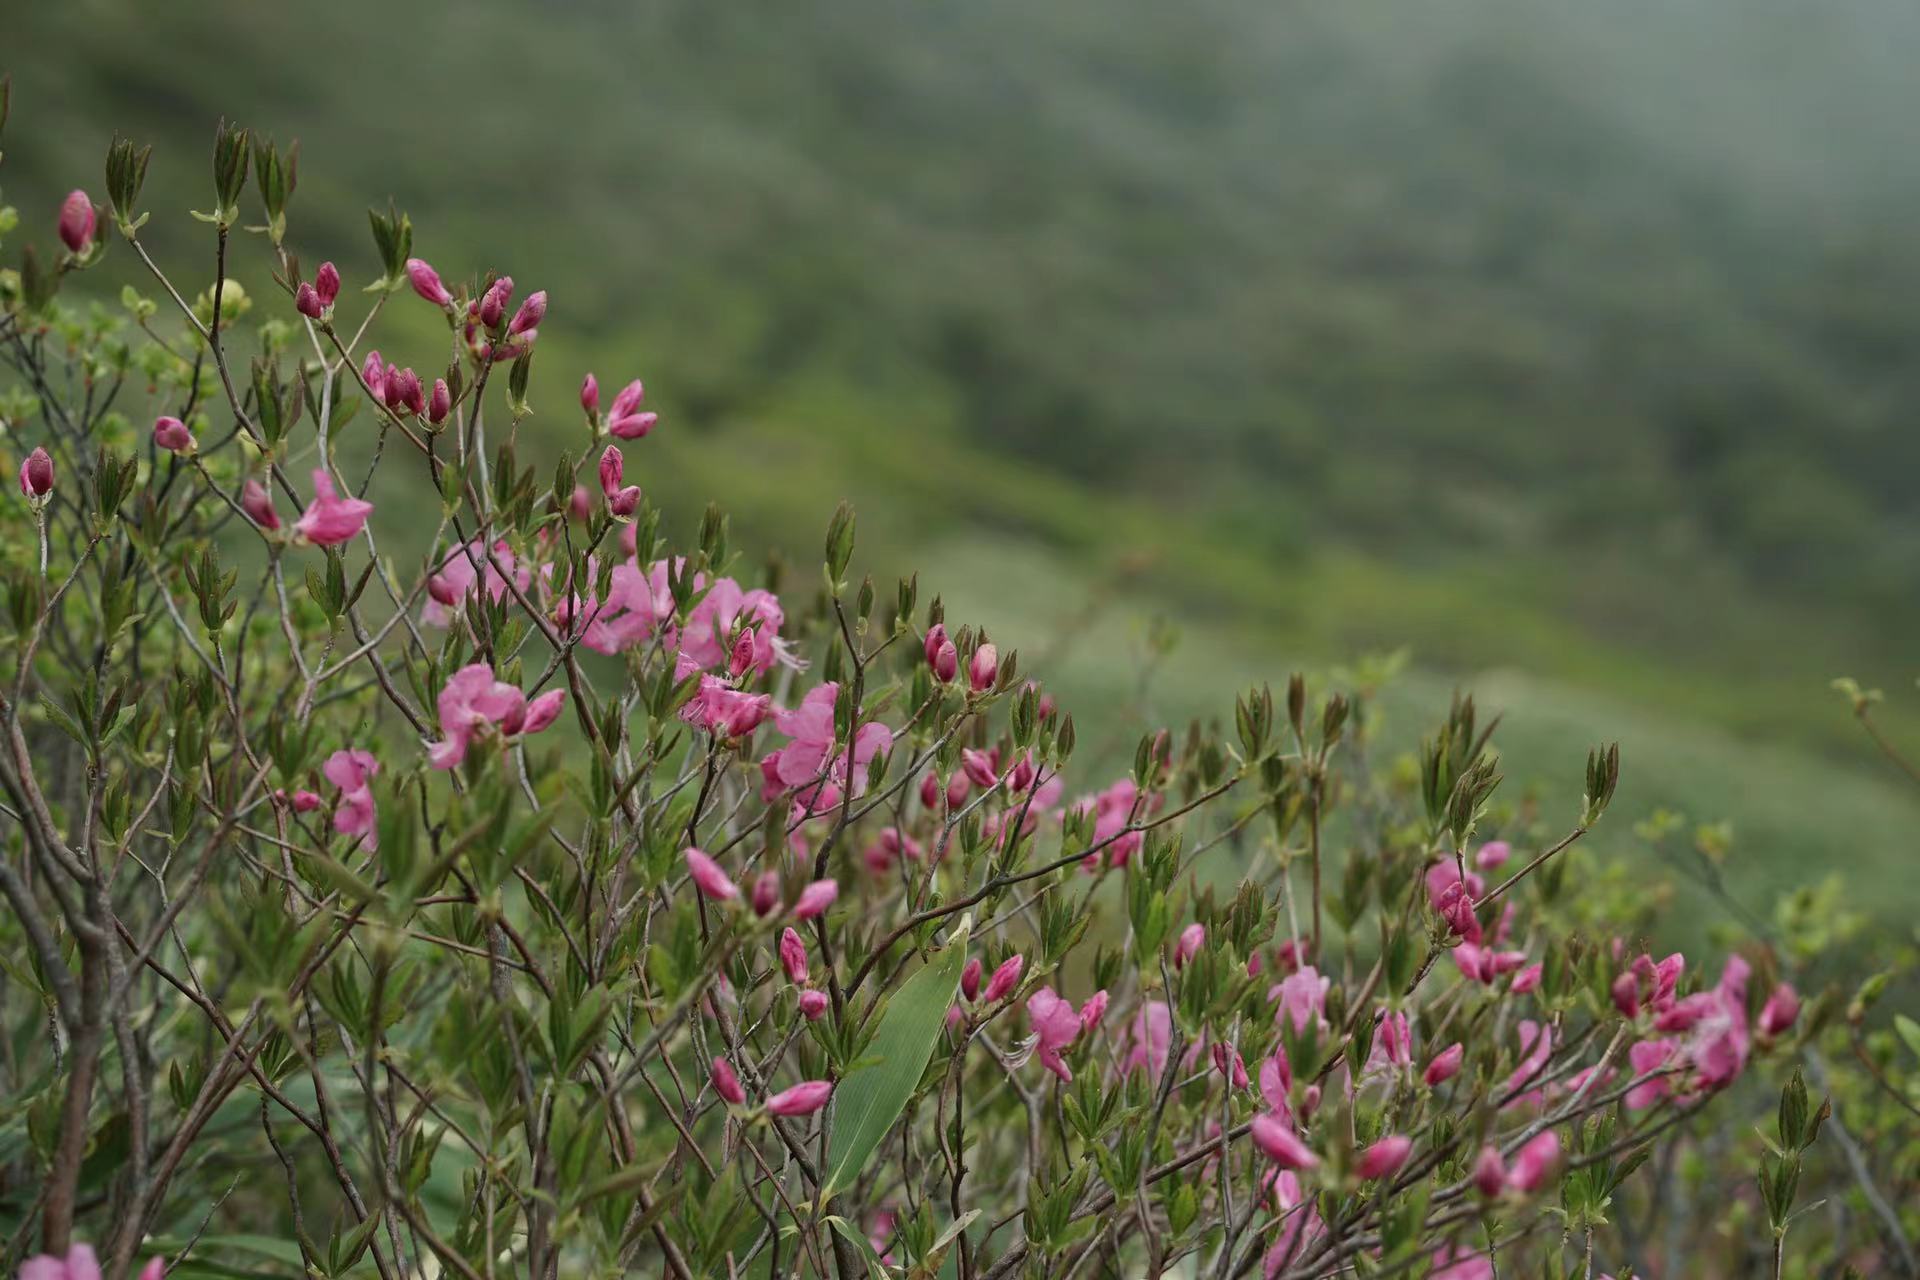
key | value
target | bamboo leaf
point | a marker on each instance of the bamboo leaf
(868, 1102)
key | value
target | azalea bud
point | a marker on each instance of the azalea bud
(802, 1099)
(634, 426)
(493, 306)
(958, 788)
(930, 789)
(1780, 1012)
(726, 1083)
(1626, 995)
(813, 1004)
(306, 300)
(1384, 1158)
(612, 468)
(590, 395)
(581, 506)
(1227, 1061)
(529, 316)
(404, 394)
(1280, 1144)
(36, 476)
(426, 283)
(946, 662)
(1005, 978)
(984, 667)
(766, 892)
(740, 656)
(623, 504)
(441, 588)
(708, 876)
(978, 766)
(440, 403)
(172, 435)
(326, 283)
(793, 956)
(305, 801)
(373, 372)
(77, 222)
(1489, 1171)
(258, 504)
(1093, 1010)
(1445, 1064)
(970, 979)
(815, 898)
(1528, 979)
(1536, 1162)
(1192, 938)
(1493, 854)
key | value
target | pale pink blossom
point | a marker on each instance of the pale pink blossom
(352, 771)
(1055, 1025)
(1535, 1163)
(331, 519)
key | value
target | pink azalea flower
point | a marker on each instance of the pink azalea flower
(473, 700)
(1114, 810)
(624, 418)
(464, 566)
(1536, 1050)
(79, 1264)
(352, 771)
(1457, 1262)
(1093, 1011)
(331, 519)
(1535, 1163)
(1646, 1057)
(1301, 998)
(1149, 1040)
(1056, 1025)
(1192, 938)
(1781, 1011)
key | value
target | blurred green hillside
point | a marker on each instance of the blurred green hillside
(1564, 340)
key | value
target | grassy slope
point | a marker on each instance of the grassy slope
(1332, 334)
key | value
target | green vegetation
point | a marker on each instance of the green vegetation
(1567, 343)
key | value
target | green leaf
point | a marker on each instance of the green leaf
(1909, 1031)
(867, 1103)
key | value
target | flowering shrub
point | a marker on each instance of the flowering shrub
(419, 864)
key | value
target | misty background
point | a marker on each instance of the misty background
(1570, 347)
